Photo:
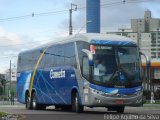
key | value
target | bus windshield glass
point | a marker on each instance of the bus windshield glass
(116, 66)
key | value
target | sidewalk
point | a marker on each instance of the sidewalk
(6, 103)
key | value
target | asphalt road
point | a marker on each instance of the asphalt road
(131, 113)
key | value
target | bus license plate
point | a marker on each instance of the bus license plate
(119, 102)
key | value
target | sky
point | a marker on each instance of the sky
(25, 24)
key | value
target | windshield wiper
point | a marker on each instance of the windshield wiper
(115, 74)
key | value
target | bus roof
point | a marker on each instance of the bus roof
(87, 37)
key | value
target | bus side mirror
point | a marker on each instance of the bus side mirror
(90, 56)
(148, 62)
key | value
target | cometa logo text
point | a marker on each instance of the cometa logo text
(57, 74)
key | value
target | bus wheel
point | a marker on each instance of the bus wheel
(34, 101)
(120, 109)
(76, 107)
(28, 101)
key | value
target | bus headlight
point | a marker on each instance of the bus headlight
(101, 93)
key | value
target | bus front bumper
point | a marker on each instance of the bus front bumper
(102, 100)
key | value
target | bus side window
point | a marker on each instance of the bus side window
(69, 55)
(85, 68)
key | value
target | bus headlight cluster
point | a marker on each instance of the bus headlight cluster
(100, 92)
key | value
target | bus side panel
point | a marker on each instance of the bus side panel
(53, 86)
(23, 83)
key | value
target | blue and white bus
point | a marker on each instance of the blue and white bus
(64, 73)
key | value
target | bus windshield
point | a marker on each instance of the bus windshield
(116, 66)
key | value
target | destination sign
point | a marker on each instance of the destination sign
(103, 47)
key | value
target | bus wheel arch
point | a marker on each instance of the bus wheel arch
(75, 101)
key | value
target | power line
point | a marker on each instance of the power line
(118, 2)
(122, 3)
(136, 1)
(32, 15)
(103, 5)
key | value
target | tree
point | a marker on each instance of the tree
(2, 84)
(1, 90)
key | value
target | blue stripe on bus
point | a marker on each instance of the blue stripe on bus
(111, 42)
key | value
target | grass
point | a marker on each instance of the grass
(2, 114)
(156, 102)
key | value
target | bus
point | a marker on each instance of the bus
(64, 73)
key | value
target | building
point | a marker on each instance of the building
(145, 43)
(146, 24)
(155, 47)
(147, 29)
(146, 32)
(93, 15)
(13, 74)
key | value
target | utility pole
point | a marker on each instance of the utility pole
(124, 1)
(10, 76)
(70, 17)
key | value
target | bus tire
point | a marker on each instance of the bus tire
(28, 101)
(120, 109)
(35, 106)
(76, 107)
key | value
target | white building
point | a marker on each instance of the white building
(145, 43)
(13, 74)
(146, 24)
(146, 32)
(149, 30)
(155, 48)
